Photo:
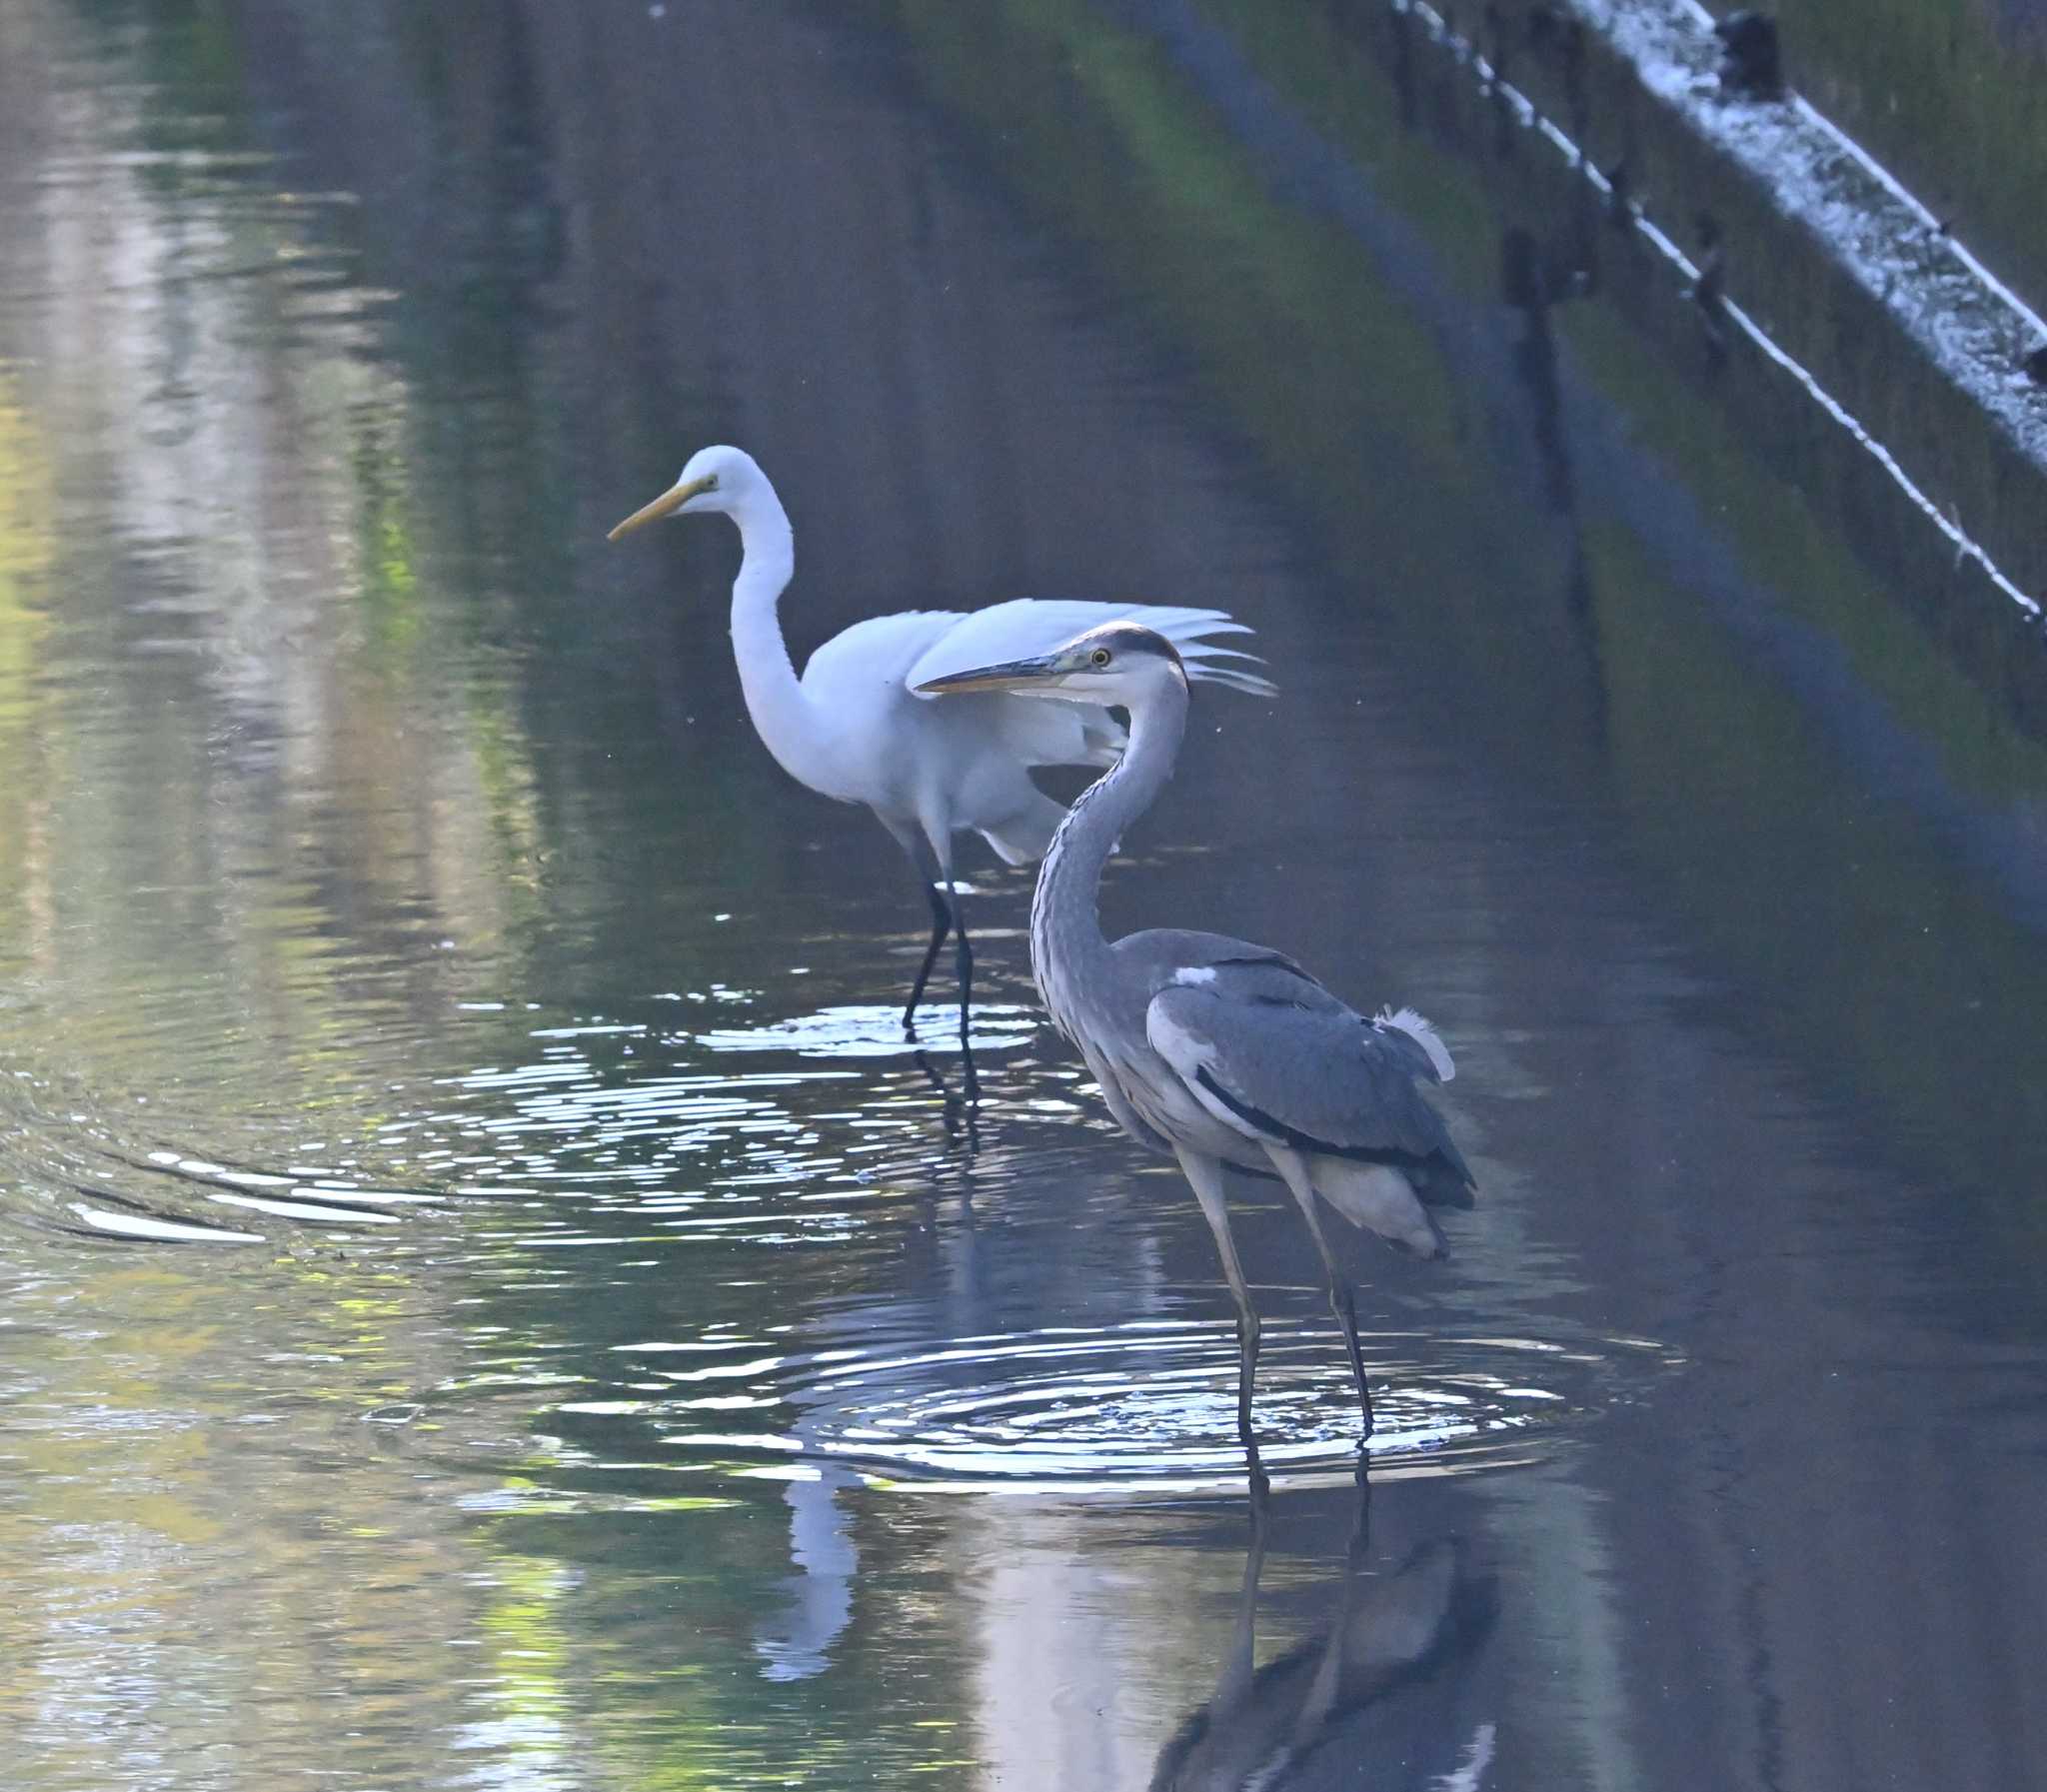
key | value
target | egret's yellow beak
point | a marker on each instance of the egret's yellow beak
(671, 500)
(1008, 676)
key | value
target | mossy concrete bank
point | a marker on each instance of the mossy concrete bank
(1867, 351)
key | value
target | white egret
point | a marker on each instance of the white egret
(1212, 1049)
(853, 728)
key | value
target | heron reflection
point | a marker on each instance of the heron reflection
(854, 729)
(1211, 1048)
(1382, 1697)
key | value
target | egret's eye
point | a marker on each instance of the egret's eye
(1100, 657)
(711, 483)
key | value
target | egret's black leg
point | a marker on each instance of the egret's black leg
(963, 958)
(923, 861)
(941, 924)
(1292, 1168)
(1204, 1177)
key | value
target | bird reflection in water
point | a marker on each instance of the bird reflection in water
(854, 726)
(793, 1642)
(1381, 1697)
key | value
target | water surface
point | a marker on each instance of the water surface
(484, 1298)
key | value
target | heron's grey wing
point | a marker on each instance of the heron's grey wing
(1267, 1050)
(1159, 956)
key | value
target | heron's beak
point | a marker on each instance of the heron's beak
(671, 500)
(1011, 675)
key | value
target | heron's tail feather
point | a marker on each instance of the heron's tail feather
(1380, 1199)
(1421, 1031)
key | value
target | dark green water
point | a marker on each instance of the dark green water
(483, 1298)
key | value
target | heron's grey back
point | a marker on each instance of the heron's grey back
(1286, 1057)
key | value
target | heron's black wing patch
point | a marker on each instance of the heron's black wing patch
(1282, 1133)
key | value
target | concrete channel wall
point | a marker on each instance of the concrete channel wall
(1791, 333)
(1863, 340)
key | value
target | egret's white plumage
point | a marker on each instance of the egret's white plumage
(854, 726)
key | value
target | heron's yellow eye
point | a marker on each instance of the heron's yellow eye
(1100, 657)
(711, 483)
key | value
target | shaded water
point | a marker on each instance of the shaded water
(484, 1297)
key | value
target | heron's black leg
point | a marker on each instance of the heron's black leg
(1204, 1177)
(1292, 1168)
(1343, 1304)
(962, 957)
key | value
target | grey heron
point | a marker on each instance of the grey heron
(1213, 1049)
(852, 727)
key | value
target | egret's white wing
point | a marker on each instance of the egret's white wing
(878, 662)
(1025, 628)
(848, 675)
(879, 647)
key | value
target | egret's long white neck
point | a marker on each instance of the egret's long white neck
(783, 718)
(1069, 952)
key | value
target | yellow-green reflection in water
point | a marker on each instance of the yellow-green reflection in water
(485, 1297)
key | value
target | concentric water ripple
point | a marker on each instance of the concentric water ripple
(1146, 1405)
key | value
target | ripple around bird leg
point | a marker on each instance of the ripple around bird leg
(1149, 1406)
(870, 1031)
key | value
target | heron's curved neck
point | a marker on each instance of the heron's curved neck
(1067, 949)
(782, 716)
